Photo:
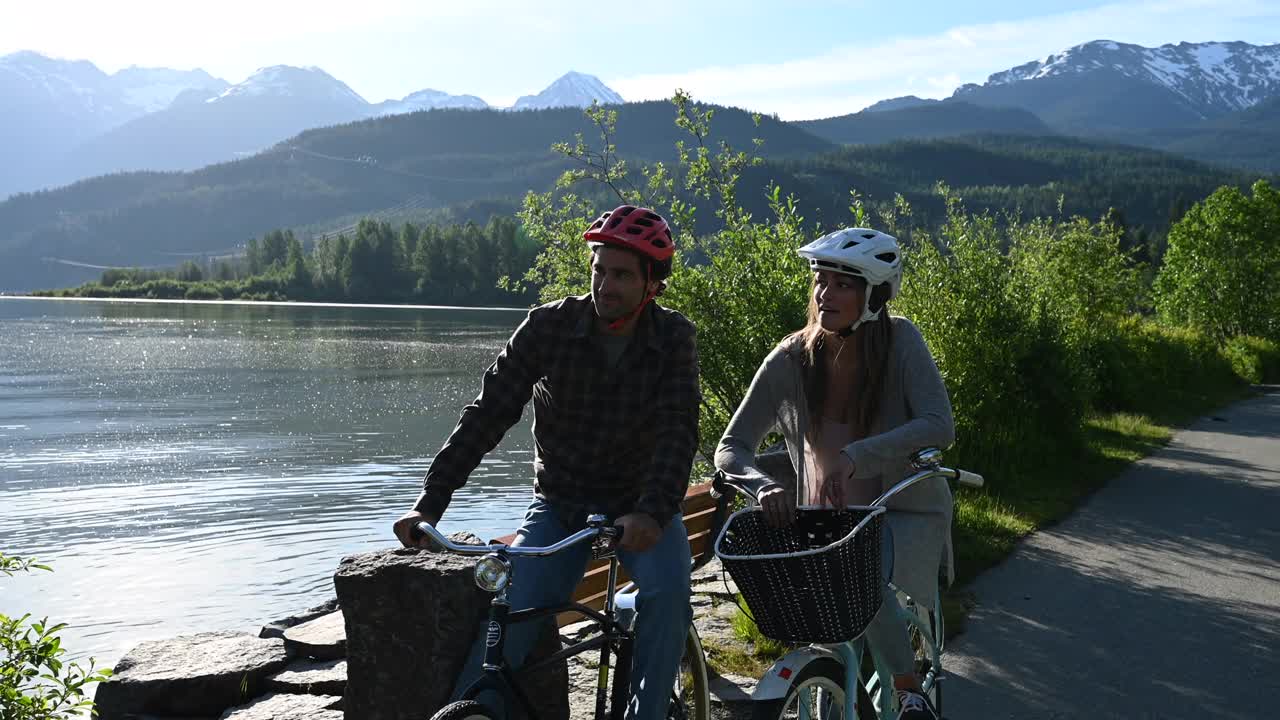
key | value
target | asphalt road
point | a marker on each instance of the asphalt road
(1158, 598)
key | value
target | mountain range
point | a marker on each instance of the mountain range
(344, 157)
(69, 120)
(1216, 102)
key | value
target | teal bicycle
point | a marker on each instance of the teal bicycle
(817, 583)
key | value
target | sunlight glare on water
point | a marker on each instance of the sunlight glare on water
(192, 467)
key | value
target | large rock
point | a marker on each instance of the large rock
(277, 628)
(411, 618)
(281, 706)
(324, 638)
(308, 677)
(194, 675)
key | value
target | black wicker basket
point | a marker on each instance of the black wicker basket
(817, 580)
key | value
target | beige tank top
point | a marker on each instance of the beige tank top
(822, 453)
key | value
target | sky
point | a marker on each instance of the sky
(800, 59)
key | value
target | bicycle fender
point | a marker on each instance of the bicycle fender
(777, 681)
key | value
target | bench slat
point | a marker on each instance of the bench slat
(698, 509)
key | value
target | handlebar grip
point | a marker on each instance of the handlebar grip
(416, 533)
(970, 479)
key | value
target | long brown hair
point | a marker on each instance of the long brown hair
(872, 340)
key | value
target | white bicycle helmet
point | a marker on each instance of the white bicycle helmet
(860, 252)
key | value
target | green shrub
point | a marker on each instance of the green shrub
(1255, 360)
(36, 683)
(202, 291)
(1156, 369)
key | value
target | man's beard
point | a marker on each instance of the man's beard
(608, 310)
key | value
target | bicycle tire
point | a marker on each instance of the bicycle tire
(823, 674)
(465, 710)
(691, 696)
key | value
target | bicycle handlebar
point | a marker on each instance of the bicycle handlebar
(925, 460)
(612, 532)
(964, 477)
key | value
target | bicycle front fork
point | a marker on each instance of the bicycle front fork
(496, 677)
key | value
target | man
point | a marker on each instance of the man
(614, 382)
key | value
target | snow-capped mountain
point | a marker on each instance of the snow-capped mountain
(310, 84)
(52, 105)
(1211, 79)
(78, 87)
(273, 104)
(153, 89)
(427, 100)
(573, 89)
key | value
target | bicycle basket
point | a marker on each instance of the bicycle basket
(817, 580)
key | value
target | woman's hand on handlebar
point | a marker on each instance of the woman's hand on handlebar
(403, 529)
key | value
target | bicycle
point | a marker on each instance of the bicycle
(690, 699)
(810, 682)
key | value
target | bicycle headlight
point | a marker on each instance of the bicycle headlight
(493, 572)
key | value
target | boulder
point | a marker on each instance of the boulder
(277, 628)
(411, 618)
(283, 706)
(309, 677)
(324, 638)
(194, 675)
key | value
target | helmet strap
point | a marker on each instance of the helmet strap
(868, 315)
(622, 321)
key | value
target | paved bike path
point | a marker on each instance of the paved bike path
(1158, 598)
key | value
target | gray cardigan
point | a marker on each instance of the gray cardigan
(914, 412)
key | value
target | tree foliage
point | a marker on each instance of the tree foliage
(1222, 268)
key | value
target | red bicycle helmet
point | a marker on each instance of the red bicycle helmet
(634, 228)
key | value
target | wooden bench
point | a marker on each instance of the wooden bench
(699, 512)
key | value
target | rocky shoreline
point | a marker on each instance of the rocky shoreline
(408, 615)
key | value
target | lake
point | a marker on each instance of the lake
(204, 466)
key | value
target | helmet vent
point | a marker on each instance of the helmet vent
(887, 257)
(851, 243)
(633, 230)
(659, 242)
(870, 236)
(625, 210)
(643, 221)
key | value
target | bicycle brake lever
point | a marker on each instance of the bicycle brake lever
(607, 542)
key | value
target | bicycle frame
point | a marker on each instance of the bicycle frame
(498, 677)
(776, 682)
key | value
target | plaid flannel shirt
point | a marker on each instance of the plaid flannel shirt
(607, 439)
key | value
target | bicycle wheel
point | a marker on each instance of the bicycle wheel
(817, 693)
(464, 710)
(691, 698)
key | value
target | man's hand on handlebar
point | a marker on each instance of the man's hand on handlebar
(406, 522)
(639, 531)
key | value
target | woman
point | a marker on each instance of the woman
(854, 393)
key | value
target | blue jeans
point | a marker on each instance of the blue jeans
(663, 612)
